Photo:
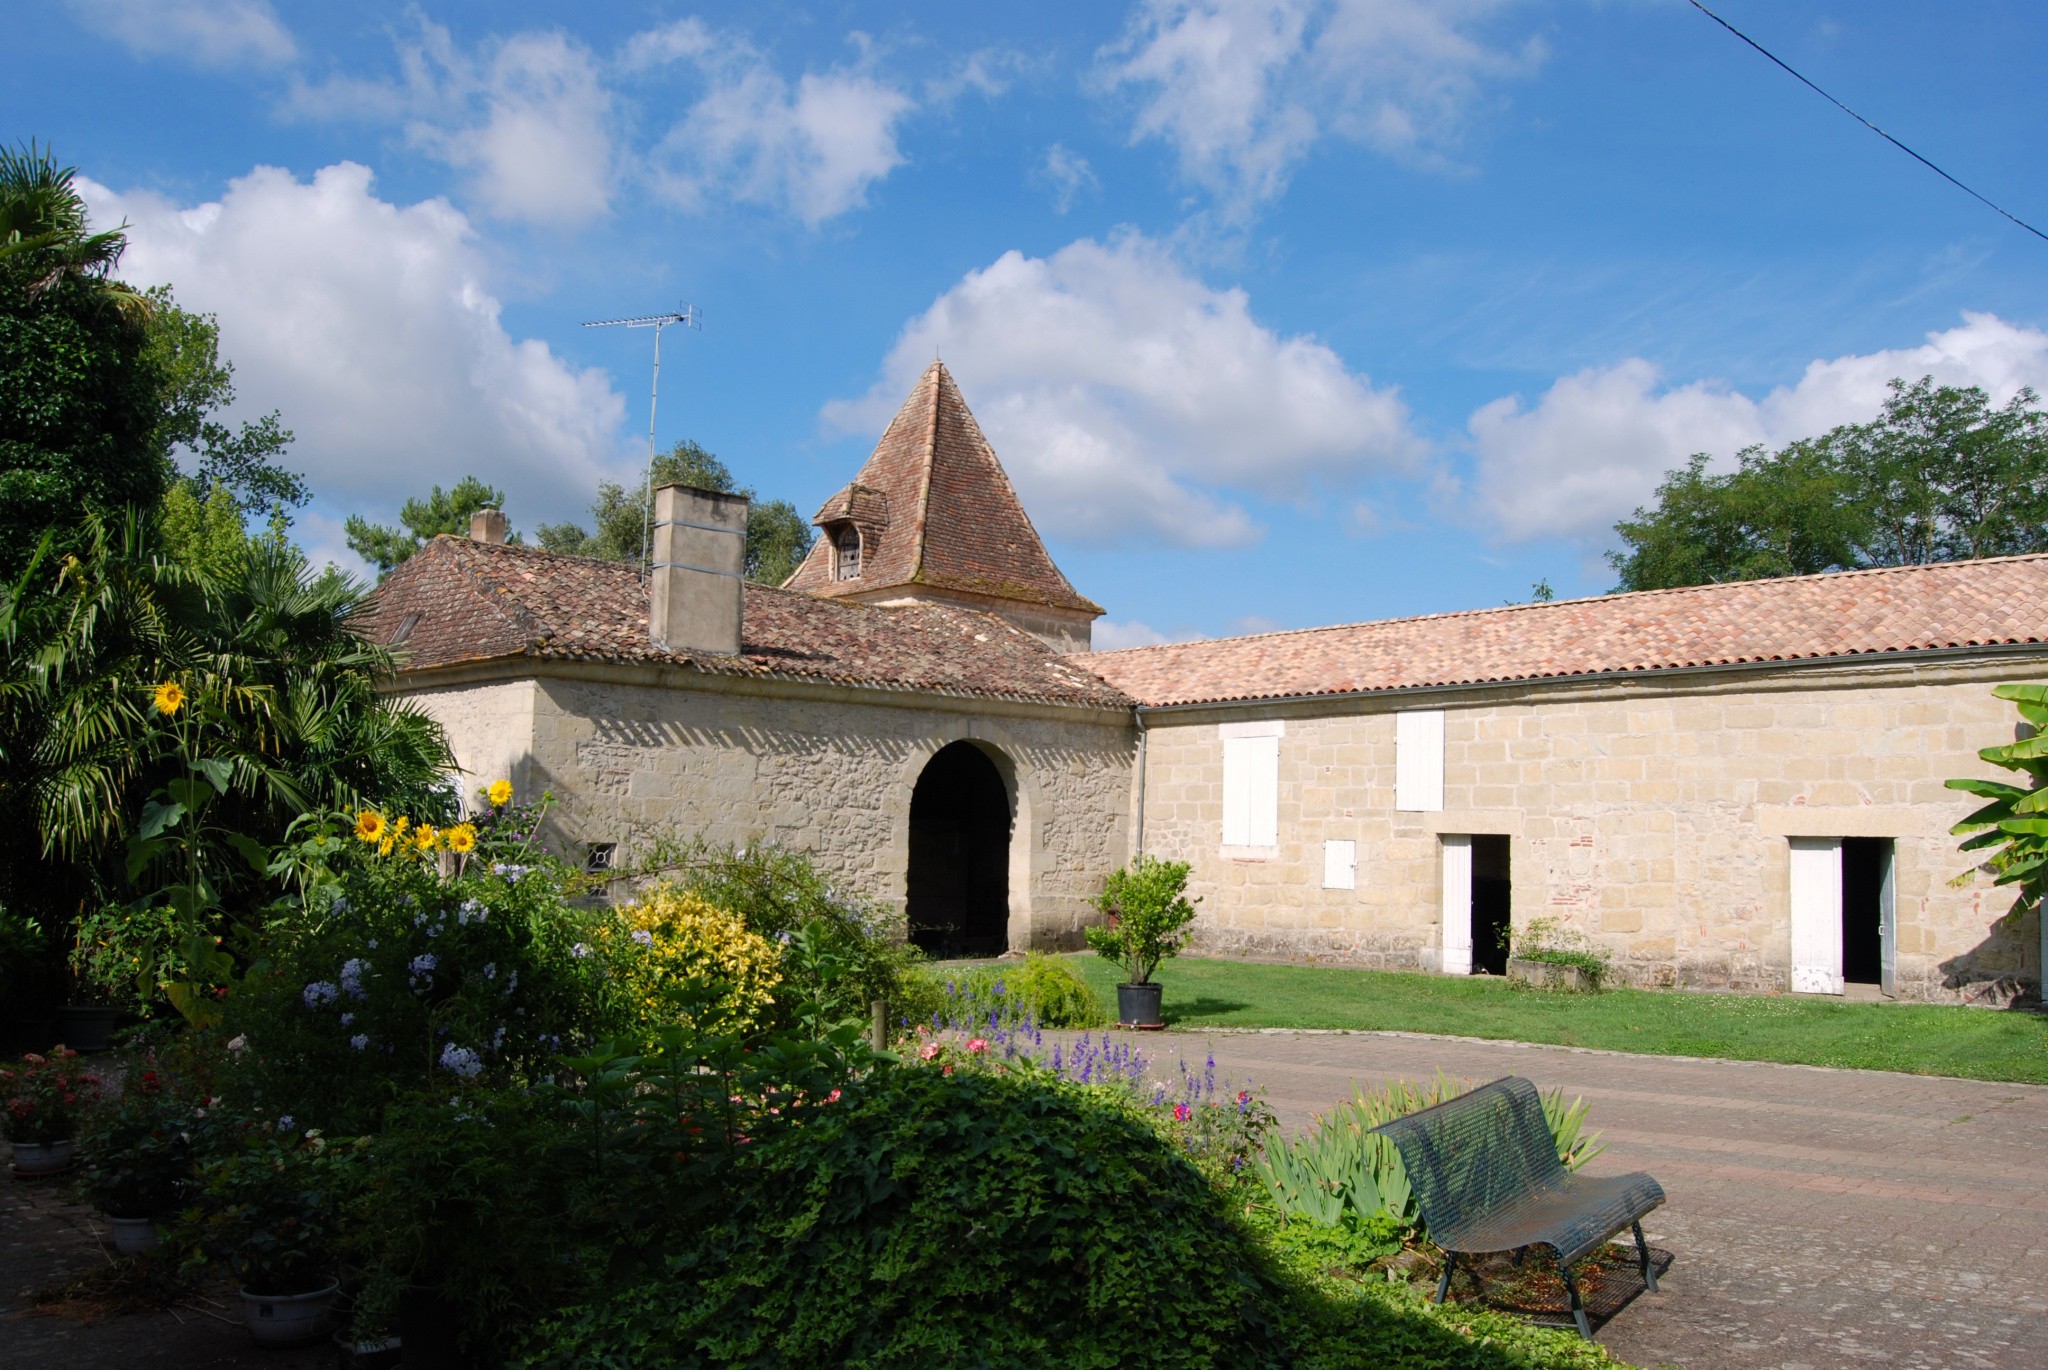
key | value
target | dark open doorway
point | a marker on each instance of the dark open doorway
(1864, 860)
(959, 879)
(1491, 908)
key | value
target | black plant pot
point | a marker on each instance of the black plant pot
(1138, 1006)
(87, 1027)
(427, 1330)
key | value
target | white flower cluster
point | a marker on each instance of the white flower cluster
(462, 1061)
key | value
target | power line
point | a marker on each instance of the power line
(1865, 122)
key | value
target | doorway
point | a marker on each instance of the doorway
(1866, 868)
(958, 885)
(1492, 909)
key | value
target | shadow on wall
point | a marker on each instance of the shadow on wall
(2003, 969)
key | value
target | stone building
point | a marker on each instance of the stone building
(1729, 786)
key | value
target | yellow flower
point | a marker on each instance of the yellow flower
(461, 839)
(674, 944)
(170, 697)
(500, 793)
(370, 825)
(426, 837)
(399, 826)
(384, 847)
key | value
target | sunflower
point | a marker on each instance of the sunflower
(370, 825)
(461, 839)
(500, 793)
(169, 698)
(426, 837)
(399, 826)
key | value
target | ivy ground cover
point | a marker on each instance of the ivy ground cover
(1919, 1039)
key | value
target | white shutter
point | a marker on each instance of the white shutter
(1457, 912)
(1419, 760)
(1251, 791)
(1817, 915)
(1340, 865)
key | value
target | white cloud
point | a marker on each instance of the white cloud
(1124, 395)
(1594, 447)
(372, 327)
(213, 33)
(1066, 173)
(1243, 88)
(1112, 635)
(811, 148)
(526, 116)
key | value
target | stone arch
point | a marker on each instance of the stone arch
(1021, 800)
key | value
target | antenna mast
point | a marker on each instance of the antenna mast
(688, 317)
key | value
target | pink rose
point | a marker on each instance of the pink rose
(977, 1045)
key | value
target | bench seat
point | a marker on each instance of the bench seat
(1486, 1176)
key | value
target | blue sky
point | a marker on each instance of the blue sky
(1279, 313)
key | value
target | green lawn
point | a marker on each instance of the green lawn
(1982, 1044)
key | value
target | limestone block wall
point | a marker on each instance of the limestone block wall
(1654, 816)
(490, 729)
(631, 756)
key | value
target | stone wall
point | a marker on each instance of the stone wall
(632, 755)
(1652, 815)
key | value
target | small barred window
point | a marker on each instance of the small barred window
(846, 553)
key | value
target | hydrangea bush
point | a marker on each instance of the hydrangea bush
(429, 959)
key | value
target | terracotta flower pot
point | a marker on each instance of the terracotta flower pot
(41, 1158)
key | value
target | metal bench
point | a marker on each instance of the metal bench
(1486, 1176)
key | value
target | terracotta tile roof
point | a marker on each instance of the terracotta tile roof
(1899, 609)
(952, 519)
(458, 601)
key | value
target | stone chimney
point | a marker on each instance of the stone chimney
(693, 586)
(488, 525)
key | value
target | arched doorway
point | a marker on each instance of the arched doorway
(959, 878)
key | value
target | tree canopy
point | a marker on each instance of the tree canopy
(81, 390)
(420, 520)
(777, 536)
(1939, 475)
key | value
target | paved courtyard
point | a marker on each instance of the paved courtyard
(1817, 1217)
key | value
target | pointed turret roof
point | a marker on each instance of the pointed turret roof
(936, 511)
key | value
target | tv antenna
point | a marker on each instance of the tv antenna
(688, 317)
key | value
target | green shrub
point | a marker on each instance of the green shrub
(1547, 940)
(1040, 989)
(405, 975)
(1148, 915)
(1340, 1174)
(929, 1218)
(852, 950)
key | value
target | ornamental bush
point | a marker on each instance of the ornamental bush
(680, 960)
(932, 1217)
(1042, 990)
(407, 973)
(1148, 916)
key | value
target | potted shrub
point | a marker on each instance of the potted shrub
(138, 1161)
(1548, 955)
(266, 1207)
(40, 1100)
(1147, 920)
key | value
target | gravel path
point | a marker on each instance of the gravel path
(1816, 1217)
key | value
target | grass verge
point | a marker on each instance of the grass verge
(1918, 1039)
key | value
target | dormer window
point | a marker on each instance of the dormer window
(846, 553)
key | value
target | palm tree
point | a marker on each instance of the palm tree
(283, 702)
(44, 222)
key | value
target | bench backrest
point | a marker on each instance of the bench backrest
(1467, 1156)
